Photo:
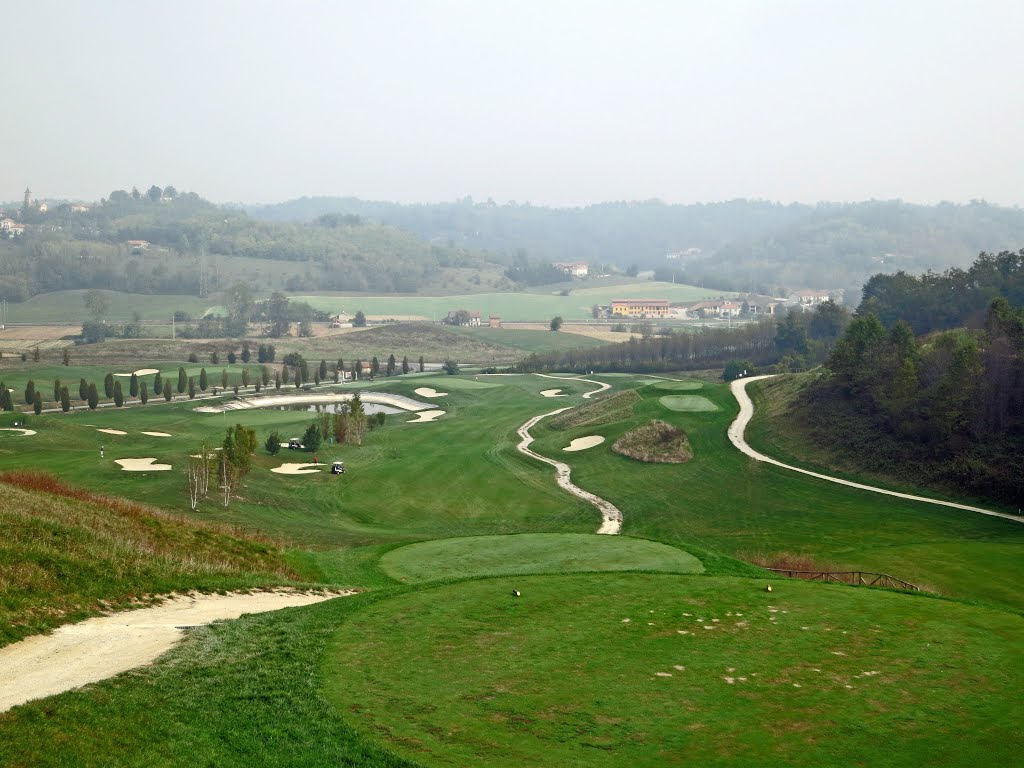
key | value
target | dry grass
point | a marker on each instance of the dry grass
(602, 410)
(788, 561)
(657, 442)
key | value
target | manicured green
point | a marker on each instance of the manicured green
(616, 669)
(687, 403)
(532, 553)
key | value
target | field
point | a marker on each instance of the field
(603, 659)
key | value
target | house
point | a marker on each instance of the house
(462, 317)
(640, 307)
(813, 298)
(574, 269)
(11, 228)
(42, 207)
(79, 208)
(138, 246)
(730, 309)
(494, 321)
(6, 224)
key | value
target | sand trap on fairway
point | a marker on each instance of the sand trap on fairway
(141, 465)
(140, 372)
(553, 393)
(582, 443)
(426, 416)
(112, 431)
(19, 430)
(78, 654)
(428, 392)
(295, 469)
(157, 434)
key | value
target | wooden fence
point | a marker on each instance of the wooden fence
(857, 578)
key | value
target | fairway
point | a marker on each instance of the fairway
(677, 386)
(637, 669)
(684, 403)
(532, 553)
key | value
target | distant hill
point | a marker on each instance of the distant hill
(742, 245)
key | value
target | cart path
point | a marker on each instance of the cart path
(739, 426)
(92, 650)
(611, 517)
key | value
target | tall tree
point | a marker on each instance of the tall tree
(391, 365)
(204, 380)
(56, 390)
(37, 403)
(65, 399)
(405, 364)
(108, 385)
(133, 386)
(421, 364)
(118, 394)
(167, 391)
(30, 392)
(143, 393)
(182, 380)
(83, 389)
(92, 397)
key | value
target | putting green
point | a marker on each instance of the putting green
(687, 403)
(678, 386)
(533, 553)
(655, 670)
(445, 383)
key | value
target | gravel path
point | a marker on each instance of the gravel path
(739, 426)
(611, 517)
(92, 650)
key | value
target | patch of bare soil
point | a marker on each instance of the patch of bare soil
(657, 442)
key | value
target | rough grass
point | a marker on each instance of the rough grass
(657, 442)
(532, 553)
(602, 410)
(67, 553)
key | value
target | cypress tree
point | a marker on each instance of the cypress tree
(30, 392)
(245, 377)
(391, 365)
(92, 396)
(405, 365)
(224, 378)
(191, 388)
(83, 389)
(37, 403)
(374, 367)
(265, 375)
(246, 352)
(167, 391)
(323, 369)
(133, 386)
(143, 392)
(158, 384)
(65, 399)
(277, 379)
(108, 385)
(182, 380)
(204, 381)
(118, 394)
(56, 390)
(421, 363)
(284, 374)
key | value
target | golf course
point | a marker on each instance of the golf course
(461, 609)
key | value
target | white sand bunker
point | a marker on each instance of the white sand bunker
(295, 469)
(19, 430)
(428, 392)
(157, 434)
(142, 465)
(112, 431)
(140, 372)
(206, 409)
(423, 416)
(582, 443)
(93, 650)
(553, 393)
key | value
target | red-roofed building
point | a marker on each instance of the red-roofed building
(640, 307)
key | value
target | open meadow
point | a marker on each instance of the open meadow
(494, 628)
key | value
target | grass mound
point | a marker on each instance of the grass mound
(678, 386)
(638, 669)
(602, 410)
(532, 553)
(68, 553)
(687, 403)
(657, 442)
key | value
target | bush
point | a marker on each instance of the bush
(273, 443)
(312, 437)
(450, 367)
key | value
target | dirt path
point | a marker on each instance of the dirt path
(739, 426)
(611, 516)
(93, 650)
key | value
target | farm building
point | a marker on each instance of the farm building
(640, 307)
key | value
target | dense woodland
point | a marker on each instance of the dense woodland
(197, 248)
(742, 245)
(947, 406)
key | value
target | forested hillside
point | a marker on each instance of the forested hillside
(740, 245)
(946, 407)
(195, 247)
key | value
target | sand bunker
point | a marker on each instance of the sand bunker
(426, 416)
(140, 372)
(582, 443)
(112, 431)
(157, 434)
(295, 469)
(428, 392)
(19, 430)
(553, 393)
(142, 465)
(78, 654)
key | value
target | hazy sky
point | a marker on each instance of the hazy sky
(560, 103)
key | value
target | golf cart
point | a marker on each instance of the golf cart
(338, 468)
(295, 443)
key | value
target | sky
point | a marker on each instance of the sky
(555, 102)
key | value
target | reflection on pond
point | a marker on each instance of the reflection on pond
(368, 408)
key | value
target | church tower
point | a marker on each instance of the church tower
(27, 205)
